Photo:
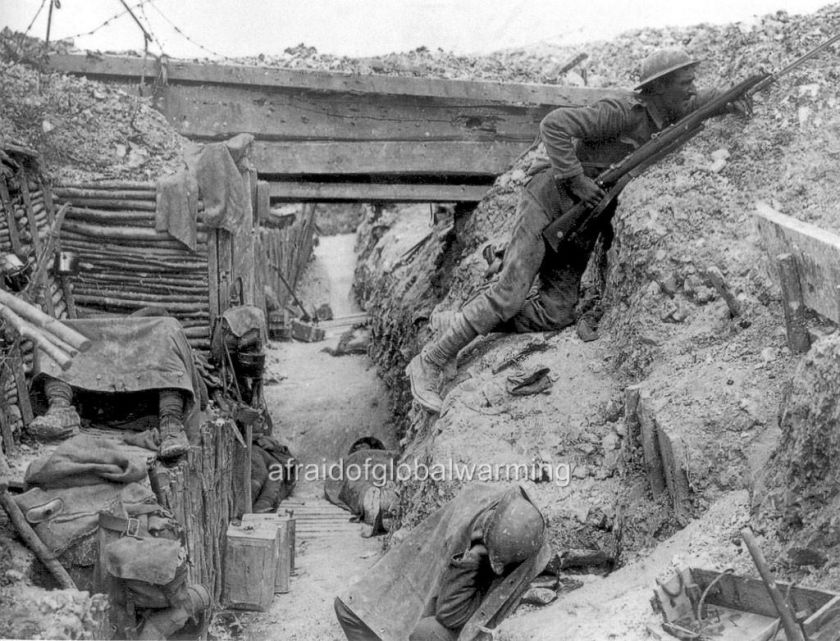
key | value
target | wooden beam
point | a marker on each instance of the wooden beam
(117, 67)
(745, 593)
(217, 112)
(816, 252)
(289, 191)
(407, 158)
(796, 322)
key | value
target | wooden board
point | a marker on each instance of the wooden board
(289, 191)
(250, 566)
(817, 255)
(315, 122)
(123, 67)
(284, 530)
(9, 210)
(751, 595)
(672, 451)
(220, 111)
(386, 157)
(243, 276)
(648, 432)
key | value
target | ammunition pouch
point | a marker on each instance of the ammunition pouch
(142, 559)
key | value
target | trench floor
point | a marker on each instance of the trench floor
(320, 404)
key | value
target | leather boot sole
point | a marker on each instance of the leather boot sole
(429, 401)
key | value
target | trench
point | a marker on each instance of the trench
(320, 405)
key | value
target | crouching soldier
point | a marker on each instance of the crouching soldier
(580, 143)
(458, 573)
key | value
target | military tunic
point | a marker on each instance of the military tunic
(584, 140)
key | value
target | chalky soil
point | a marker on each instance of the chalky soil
(320, 405)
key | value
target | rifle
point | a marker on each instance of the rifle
(570, 228)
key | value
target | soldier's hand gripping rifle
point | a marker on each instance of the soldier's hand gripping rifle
(565, 230)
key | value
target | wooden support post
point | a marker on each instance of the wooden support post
(34, 543)
(795, 322)
(16, 364)
(69, 299)
(48, 202)
(5, 473)
(792, 630)
(30, 213)
(263, 208)
(719, 283)
(14, 237)
(650, 445)
(249, 448)
(9, 446)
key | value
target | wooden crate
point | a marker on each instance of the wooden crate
(307, 332)
(285, 532)
(250, 566)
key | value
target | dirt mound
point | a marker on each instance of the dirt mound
(798, 496)
(715, 379)
(34, 613)
(83, 129)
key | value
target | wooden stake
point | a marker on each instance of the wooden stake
(719, 283)
(792, 631)
(34, 543)
(799, 340)
(9, 445)
(16, 365)
(14, 237)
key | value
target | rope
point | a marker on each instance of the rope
(706, 593)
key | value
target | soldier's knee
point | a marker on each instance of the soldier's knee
(429, 629)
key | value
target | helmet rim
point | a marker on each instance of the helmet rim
(649, 75)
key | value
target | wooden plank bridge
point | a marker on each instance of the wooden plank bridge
(324, 136)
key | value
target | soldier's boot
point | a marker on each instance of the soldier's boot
(441, 320)
(61, 420)
(173, 438)
(166, 622)
(425, 369)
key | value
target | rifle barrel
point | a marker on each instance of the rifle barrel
(793, 65)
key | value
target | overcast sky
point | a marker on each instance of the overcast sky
(366, 27)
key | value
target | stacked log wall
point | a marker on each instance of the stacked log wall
(127, 265)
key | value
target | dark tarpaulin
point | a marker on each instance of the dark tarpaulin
(397, 591)
(129, 354)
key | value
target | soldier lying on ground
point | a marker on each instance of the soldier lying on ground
(459, 571)
(138, 375)
(366, 486)
(580, 144)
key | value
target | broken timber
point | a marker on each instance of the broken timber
(349, 137)
(805, 262)
(664, 453)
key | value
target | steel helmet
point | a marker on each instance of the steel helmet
(662, 62)
(515, 530)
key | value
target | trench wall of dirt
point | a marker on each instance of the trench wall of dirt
(711, 381)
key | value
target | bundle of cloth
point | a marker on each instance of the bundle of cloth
(90, 504)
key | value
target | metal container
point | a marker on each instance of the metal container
(66, 263)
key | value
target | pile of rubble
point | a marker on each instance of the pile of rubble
(717, 381)
(83, 129)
